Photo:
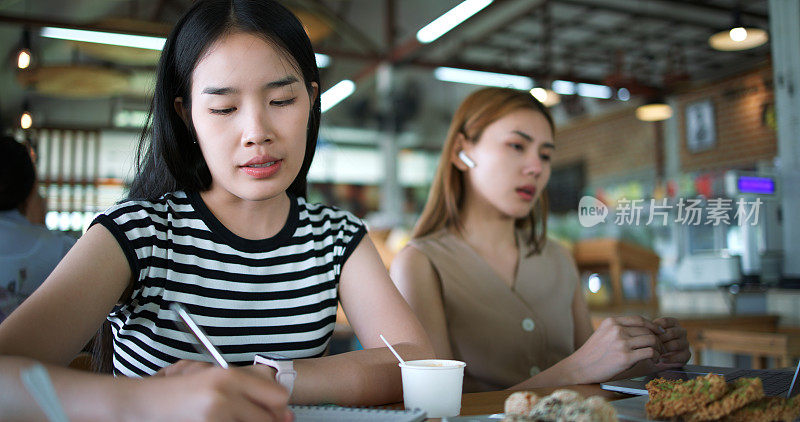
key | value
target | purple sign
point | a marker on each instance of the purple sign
(763, 185)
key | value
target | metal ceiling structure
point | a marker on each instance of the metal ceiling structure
(655, 42)
(647, 46)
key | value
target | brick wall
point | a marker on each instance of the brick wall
(610, 145)
(742, 136)
(616, 145)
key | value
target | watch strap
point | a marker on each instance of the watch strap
(285, 373)
(285, 377)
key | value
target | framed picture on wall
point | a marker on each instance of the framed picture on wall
(701, 131)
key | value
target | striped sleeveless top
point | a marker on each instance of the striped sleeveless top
(276, 295)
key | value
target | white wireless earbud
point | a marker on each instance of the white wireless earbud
(468, 161)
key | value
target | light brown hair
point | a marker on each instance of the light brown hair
(445, 200)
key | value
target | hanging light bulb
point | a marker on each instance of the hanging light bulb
(738, 37)
(654, 110)
(23, 59)
(738, 34)
(26, 119)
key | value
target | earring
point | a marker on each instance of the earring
(466, 160)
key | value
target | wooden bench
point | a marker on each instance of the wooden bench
(782, 346)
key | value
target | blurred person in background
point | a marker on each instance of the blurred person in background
(486, 283)
(28, 251)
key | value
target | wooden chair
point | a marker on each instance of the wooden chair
(379, 238)
(615, 256)
(783, 346)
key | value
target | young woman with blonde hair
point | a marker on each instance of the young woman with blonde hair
(485, 282)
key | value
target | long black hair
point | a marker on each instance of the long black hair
(168, 158)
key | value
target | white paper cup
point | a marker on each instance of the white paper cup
(433, 385)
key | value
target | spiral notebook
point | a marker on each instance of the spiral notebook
(354, 414)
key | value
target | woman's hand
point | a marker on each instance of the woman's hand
(676, 346)
(618, 344)
(186, 367)
(183, 367)
(195, 392)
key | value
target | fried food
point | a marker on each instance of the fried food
(768, 409)
(520, 403)
(709, 398)
(552, 406)
(740, 393)
(669, 400)
(660, 387)
(548, 408)
(593, 409)
(561, 406)
(566, 396)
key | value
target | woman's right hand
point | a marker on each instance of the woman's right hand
(618, 344)
(212, 394)
(183, 367)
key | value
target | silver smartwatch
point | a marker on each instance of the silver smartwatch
(285, 367)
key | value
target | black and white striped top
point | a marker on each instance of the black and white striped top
(276, 295)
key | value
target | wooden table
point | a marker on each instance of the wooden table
(783, 347)
(493, 401)
(695, 324)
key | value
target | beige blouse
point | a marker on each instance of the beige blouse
(504, 334)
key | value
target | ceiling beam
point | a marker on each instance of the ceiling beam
(404, 51)
(347, 54)
(547, 38)
(36, 22)
(159, 15)
(158, 10)
(488, 32)
(340, 25)
(485, 34)
(716, 8)
(390, 23)
(641, 12)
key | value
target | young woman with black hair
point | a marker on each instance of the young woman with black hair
(217, 220)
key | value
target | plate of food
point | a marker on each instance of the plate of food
(707, 398)
(561, 405)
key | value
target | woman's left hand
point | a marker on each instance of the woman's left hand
(676, 346)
